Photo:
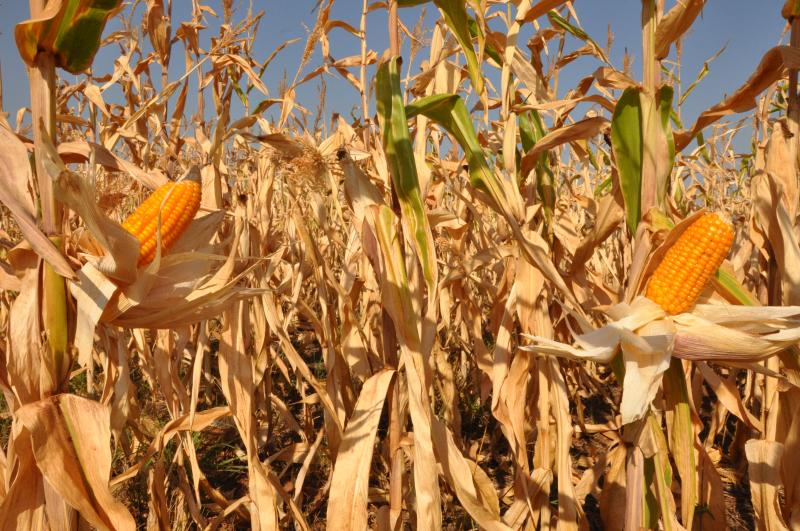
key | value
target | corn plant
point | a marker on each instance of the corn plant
(478, 300)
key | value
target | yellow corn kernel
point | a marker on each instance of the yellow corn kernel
(177, 211)
(688, 265)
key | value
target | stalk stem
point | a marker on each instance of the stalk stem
(363, 74)
(793, 108)
(395, 425)
(54, 304)
(394, 29)
(43, 112)
(650, 66)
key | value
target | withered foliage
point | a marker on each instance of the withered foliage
(383, 323)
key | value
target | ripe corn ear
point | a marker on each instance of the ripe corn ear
(689, 264)
(178, 202)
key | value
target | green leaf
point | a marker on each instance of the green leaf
(651, 507)
(396, 297)
(626, 142)
(703, 73)
(531, 130)
(665, 95)
(57, 360)
(558, 20)
(402, 166)
(241, 94)
(662, 476)
(449, 111)
(455, 15)
(727, 282)
(71, 31)
(489, 49)
(701, 143)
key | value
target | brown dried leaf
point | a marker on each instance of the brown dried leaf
(236, 370)
(776, 223)
(781, 163)
(71, 439)
(541, 9)
(347, 505)
(769, 70)
(24, 357)
(80, 151)
(15, 177)
(582, 130)
(23, 505)
(675, 24)
(764, 471)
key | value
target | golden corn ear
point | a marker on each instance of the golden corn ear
(689, 264)
(182, 202)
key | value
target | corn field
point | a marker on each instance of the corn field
(466, 303)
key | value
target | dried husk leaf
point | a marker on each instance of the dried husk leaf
(645, 363)
(764, 459)
(769, 70)
(347, 505)
(71, 444)
(15, 178)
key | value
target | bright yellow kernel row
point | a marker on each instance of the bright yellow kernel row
(688, 265)
(176, 213)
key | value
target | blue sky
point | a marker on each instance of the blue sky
(746, 27)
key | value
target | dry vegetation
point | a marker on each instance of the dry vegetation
(427, 315)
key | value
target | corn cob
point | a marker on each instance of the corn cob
(689, 264)
(182, 202)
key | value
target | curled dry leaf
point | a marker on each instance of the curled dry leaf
(586, 128)
(70, 441)
(675, 23)
(15, 178)
(769, 70)
(647, 338)
(347, 506)
(764, 470)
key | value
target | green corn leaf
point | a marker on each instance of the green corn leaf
(397, 297)
(644, 148)
(455, 15)
(728, 283)
(449, 111)
(662, 476)
(403, 169)
(626, 142)
(57, 360)
(488, 49)
(558, 20)
(69, 29)
(665, 95)
(649, 500)
(531, 130)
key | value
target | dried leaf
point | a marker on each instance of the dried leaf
(71, 444)
(347, 506)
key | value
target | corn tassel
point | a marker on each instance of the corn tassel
(688, 265)
(178, 202)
